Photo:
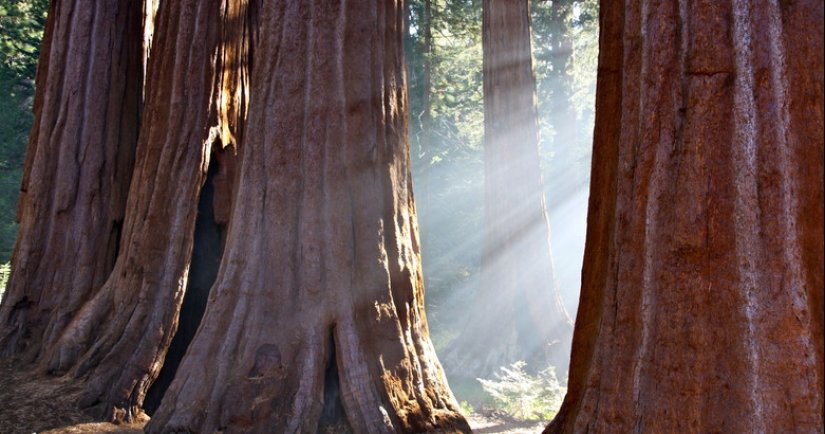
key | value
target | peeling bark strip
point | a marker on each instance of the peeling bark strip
(77, 170)
(702, 292)
(323, 243)
(119, 338)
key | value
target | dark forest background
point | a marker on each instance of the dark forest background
(21, 29)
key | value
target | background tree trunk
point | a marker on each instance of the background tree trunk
(702, 295)
(120, 337)
(317, 316)
(518, 313)
(77, 171)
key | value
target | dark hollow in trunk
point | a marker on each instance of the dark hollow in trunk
(333, 417)
(207, 252)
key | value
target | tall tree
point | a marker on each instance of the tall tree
(77, 168)
(702, 295)
(518, 313)
(121, 335)
(317, 315)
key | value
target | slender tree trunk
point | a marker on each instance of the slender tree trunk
(317, 316)
(77, 170)
(120, 337)
(702, 295)
(518, 313)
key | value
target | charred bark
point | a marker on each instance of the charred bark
(701, 305)
(77, 170)
(118, 341)
(321, 270)
(518, 313)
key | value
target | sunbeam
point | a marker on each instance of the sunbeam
(503, 232)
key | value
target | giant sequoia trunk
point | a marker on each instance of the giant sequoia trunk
(702, 295)
(120, 336)
(317, 316)
(518, 313)
(77, 170)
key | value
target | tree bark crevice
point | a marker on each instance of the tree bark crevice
(333, 415)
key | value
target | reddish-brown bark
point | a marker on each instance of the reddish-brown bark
(317, 316)
(77, 170)
(701, 305)
(119, 338)
(518, 313)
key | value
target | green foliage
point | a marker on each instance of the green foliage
(456, 78)
(456, 96)
(565, 49)
(21, 30)
(525, 396)
(466, 408)
(585, 36)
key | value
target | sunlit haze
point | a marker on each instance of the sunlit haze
(448, 165)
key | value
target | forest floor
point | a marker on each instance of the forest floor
(46, 405)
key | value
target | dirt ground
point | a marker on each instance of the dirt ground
(45, 406)
(491, 424)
